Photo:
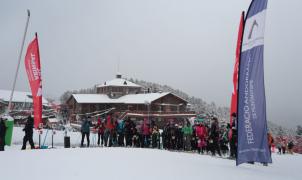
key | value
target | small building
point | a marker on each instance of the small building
(22, 104)
(127, 99)
(118, 87)
(3, 105)
(52, 122)
(21, 100)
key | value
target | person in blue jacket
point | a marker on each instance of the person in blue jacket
(85, 130)
(120, 132)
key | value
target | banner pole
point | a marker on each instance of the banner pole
(244, 19)
(19, 60)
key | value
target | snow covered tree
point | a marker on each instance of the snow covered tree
(299, 130)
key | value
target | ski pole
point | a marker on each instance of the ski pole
(52, 139)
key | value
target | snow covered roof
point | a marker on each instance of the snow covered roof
(19, 96)
(119, 82)
(53, 120)
(127, 99)
(141, 98)
(2, 101)
(93, 98)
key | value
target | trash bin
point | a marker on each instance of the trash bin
(67, 142)
(9, 123)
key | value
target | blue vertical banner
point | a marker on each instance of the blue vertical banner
(252, 123)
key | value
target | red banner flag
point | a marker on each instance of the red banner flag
(235, 74)
(33, 69)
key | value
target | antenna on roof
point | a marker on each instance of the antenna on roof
(118, 74)
(118, 63)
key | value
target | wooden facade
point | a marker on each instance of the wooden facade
(166, 107)
(162, 106)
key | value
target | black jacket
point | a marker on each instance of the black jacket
(2, 129)
(29, 127)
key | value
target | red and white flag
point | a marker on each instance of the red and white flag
(236, 68)
(33, 69)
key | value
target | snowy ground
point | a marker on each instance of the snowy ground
(75, 137)
(135, 163)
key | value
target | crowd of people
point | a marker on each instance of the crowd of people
(284, 147)
(201, 137)
(114, 132)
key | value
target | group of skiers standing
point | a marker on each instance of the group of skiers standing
(284, 147)
(114, 132)
(200, 137)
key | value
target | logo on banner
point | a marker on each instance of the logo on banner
(255, 24)
(35, 70)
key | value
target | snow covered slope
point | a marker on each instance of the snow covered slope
(137, 164)
(131, 164)
(75, 137)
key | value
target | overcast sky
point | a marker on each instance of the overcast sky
(187, 44)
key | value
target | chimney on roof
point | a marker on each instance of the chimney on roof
(119, 76)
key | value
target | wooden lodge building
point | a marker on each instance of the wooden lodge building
(22, 106)
(21, 100)
(128, 99)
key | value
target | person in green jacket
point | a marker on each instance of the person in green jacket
(187, 132)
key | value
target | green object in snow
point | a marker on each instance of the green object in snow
(9, 123)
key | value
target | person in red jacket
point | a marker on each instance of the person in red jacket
(145, 129)
(109, 133)
(108, 127)
(201, 134)
(100, 128)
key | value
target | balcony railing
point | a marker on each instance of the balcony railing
(162, 112)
